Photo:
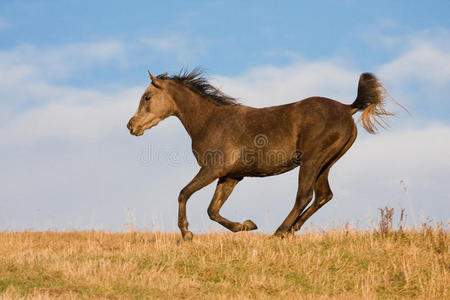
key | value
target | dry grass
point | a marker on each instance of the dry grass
(337, 264)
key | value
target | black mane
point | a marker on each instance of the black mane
(196, 81)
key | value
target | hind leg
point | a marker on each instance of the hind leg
(323, 194)
(223, 190)
(322, 189)
(311, 165)
(307, 176)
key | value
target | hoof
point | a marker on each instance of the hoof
(280, 234)
(187, 236)
(249, 225)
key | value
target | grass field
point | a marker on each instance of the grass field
(342, 264)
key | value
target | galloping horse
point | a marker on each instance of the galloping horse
(231, 141)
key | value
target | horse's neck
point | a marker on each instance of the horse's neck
(193, 111)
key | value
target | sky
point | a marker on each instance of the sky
(71, 76)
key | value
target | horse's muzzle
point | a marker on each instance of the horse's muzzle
(130, 123)
(134, 131)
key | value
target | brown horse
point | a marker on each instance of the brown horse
(231, 141)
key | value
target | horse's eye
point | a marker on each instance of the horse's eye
(146, 98)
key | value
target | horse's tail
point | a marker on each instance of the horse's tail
(371, 101)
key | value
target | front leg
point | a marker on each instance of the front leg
(223, 190)
(204, 177)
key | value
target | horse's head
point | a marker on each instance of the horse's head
(155, 105)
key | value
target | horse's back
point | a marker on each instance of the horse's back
(317, 113)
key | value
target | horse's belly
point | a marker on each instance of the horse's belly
(272, 171)
(268, 163)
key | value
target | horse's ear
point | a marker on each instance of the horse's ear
(152, 78)
(155, 80)
(165, 75)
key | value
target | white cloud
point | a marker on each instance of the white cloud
(405, 152)
(91, 116)
(270, 85)
(26, 61)
(424, 62)
(34, 108)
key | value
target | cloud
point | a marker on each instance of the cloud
(420, 56)
(419, 77)
(35, 108)
(92, 116)
(270, 85)
(406, 151)
(424, 61)
(25, 61)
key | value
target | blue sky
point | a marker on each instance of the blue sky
(221, 35)
(71, 75)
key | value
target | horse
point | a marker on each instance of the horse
(231, 141)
